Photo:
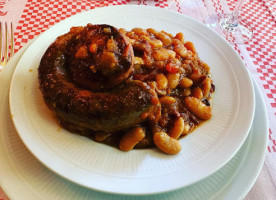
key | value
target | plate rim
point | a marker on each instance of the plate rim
(79, 181)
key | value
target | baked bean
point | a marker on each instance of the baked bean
(180, 37)
(186, 92)
(197, 92)
(198, 108)
(177, 129)
(187, 128)
(206, 67)
(161, 81)
(169, 34)
(138, 61)
(161, 54)
(122, 31)
(167, 100)
(101, 136)
(172, 54)
(175, 60)
(173, 80)
(206, 87)
(179, 48)
(156, 44)
(190, 46)
(130, 34)
(139, 31)
(186, 82)
(131, 138)
(160, 64)
(161, 92)
(196, 77)
(158, 91)
(152, 31)
(166, 40)
(143, 37)
(166, 143)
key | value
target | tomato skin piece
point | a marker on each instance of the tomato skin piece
(172, 68)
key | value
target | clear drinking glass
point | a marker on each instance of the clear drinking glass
(231, 26)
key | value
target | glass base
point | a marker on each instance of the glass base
(235, 33)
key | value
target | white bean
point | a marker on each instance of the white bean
(166, 143)
(131, 138)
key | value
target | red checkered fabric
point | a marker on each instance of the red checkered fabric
(161, 3)
(271, 6)
(178, 6)
(272, 148)
(39, 15)
(218, 6)
(262, 49)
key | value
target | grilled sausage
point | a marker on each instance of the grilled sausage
(86, 91)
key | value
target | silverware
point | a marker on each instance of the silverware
(6, 43)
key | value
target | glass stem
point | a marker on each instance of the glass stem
(233, 20)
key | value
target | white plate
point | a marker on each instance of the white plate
(23, 177)
(105, 168)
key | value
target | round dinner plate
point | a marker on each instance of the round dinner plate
(23, 177)
(147, 171)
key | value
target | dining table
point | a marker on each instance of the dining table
(31, 18)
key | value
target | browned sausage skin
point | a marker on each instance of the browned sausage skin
(83, 76)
